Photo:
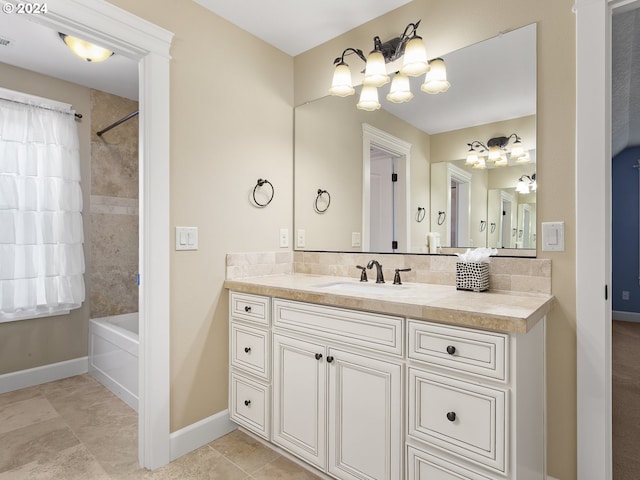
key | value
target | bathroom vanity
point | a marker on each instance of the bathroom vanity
(382, 381)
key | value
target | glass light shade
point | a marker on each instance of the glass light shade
(368, 99)
(522, 187)
(341, 84)
(518, 150)
(375, 73)
(415, 61)
(524, 158)
(472, 158)
(85, 50)
(534, 186)
(400, 90)
(502, 162)
(481, 163)
(494, 154)
(436, 79)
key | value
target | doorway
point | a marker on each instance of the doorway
(391, 213)
(149, 45)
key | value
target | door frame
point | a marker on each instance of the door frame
(100, 22)
(593, 235)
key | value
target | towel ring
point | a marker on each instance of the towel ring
(493, 227)
(320, 195)
(422, 212)
(483, 225)
(260, 183)
(442, 216)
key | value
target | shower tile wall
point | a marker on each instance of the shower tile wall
(114, 207)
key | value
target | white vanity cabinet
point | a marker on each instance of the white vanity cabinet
(363, 395)
(250, 361)
(338, 404)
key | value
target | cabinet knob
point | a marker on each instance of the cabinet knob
(247, 308)
(451, 416)
(451, 349)
(247, 403)
(318, 356)
(247, 349)
(329, 359)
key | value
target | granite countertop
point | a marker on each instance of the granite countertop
(499, 311)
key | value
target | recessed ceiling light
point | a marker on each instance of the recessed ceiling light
(85, 50)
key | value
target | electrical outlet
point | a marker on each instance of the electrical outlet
(301, 238)
(284, 237)
(625, 295)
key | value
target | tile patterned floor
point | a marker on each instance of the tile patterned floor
(75, 429)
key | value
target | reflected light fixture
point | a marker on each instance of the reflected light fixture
(497, 151)
(410, 48)
(85, 50)
(527, 184)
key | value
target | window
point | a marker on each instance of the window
(41, 236)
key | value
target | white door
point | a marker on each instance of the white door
(365, 421)
(382, 201)
(299, 404)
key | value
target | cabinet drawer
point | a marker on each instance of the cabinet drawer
(249, 347)
(465, 419)
(425, 466)
(251, 308)
(249, 404)
(381, 332)
(470, 351)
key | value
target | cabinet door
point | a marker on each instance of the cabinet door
(365, 417)
(299, 402)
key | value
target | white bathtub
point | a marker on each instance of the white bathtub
(113, 355)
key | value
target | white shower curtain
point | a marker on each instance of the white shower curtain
(41, 238)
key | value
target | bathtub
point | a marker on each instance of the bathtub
(113, 355)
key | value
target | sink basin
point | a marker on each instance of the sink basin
(363, 287)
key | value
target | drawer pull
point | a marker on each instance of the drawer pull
(451, 416)
(451, 350)
(247, 349)
(329, 359)
(318, 356)
(247, 403)
(247, 308)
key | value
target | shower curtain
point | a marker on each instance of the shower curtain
(41, 236)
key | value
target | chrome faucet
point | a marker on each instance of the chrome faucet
(379, 277)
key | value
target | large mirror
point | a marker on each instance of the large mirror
(389, 180)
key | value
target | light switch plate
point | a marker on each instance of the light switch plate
(356, 239)
(186, 238)
(553, 236)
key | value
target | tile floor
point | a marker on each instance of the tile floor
(75, 429)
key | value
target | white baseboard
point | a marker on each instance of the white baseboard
(46, 373)
(625, 316)
(197, 434)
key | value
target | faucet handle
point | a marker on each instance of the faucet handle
(396, 277)
(363, 274)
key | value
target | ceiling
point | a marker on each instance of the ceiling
(469, 101)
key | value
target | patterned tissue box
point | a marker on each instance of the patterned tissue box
(472, 276)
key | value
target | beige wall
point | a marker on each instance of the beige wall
(445, 29)
(231, 123)
(31, 343)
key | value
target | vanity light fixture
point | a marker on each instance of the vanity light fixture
(527, 184)
(410, 47)
(85, 50)
(496, 152)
